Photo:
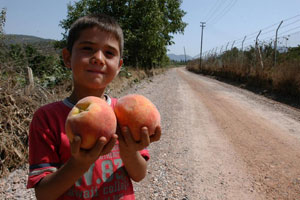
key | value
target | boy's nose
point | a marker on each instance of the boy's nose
(98, 58)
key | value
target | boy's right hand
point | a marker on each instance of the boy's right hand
(85, 158)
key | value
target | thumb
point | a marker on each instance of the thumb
(96, 150)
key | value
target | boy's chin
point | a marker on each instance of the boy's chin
(93, 87)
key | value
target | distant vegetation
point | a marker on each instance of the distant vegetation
(148, 26)
(177, 63)
(19, 52)
(257, 70)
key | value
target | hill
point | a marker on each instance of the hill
(16, 39)
(37, 42)
(179, 57)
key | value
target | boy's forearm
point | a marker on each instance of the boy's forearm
(56, 184)
(135, 164)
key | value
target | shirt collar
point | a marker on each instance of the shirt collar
(71, 105)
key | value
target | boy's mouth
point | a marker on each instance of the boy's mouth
(95, 71)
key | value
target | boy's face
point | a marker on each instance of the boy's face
(95, 59)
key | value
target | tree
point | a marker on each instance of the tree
(148, 26)
(2, 21)
(2, 24)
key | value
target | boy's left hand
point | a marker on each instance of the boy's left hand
(127, 142)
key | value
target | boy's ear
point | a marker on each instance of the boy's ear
(120, 65)
(66, 57)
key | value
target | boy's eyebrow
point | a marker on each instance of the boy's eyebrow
(86, 42)
(93, 43)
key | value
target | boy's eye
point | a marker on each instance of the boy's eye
(110, 53)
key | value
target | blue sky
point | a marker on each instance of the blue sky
(227, 21)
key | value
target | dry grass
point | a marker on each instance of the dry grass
(17, 106)
(281, 82)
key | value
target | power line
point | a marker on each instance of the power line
(291, 23)
(209, 13)
(270, 26)
(224, 12)
(253, 35)
(217, 7)
(289, 30)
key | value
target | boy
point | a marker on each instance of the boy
(61, 170)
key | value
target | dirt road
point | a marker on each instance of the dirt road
(220, 142)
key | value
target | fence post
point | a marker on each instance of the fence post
(258, 49)
(275, 43)
(243, 43)
(227, 46)
(232, 45)
(243, 50)
(29, 81)
(221, 49)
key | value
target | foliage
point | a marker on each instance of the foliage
(178, 63)
(2, 21)
(47, 69)
(2, 24)
(147, 25)
(293, 53)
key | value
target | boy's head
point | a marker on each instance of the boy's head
(101, 21)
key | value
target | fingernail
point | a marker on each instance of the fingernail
(115, 136)
(103, 139)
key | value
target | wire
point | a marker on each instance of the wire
(275, 24)
(290, 24)
(209, 13)
(217, 6)
(249, 40)
(288, 31)
(224, 12)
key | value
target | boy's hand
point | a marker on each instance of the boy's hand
(157, 134)
(87, 157)
(127, 142)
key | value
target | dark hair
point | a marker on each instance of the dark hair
(101, 21)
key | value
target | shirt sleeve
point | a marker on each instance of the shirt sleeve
(43, 156)
(145, 154)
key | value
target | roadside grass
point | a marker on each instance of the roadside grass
(281, 83)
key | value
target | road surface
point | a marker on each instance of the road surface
(219, 142)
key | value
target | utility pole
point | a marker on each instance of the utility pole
(200, 58)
